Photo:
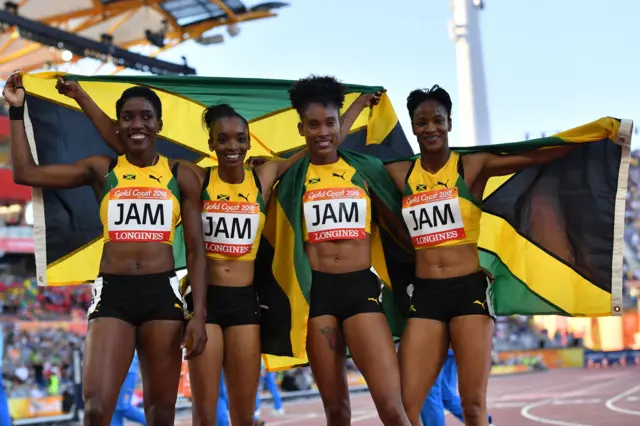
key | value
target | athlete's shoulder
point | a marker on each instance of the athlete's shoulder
(101, 164)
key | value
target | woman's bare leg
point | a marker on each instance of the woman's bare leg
(472, 338)
(242, 371)
(204, 375)
(422, 353)
(327, 356)
(160, 363)
(108, 351)
(371, 345)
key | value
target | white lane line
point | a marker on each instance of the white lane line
(611, 402)
(525, 411)
(527, 415)
(576, 401)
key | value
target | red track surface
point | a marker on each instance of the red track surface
(572, 397)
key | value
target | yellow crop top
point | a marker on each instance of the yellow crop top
(140, 204)
(438, 208)
(336, 203)
(233, 216)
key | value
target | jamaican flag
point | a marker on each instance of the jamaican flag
(551, 234)
(285, 273)
(68, 232)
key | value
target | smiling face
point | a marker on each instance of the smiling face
(431, 124)
(138, 125)
(229, 139)
(320, 126)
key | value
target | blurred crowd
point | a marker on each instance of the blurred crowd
(631, 265)
(21, 298)
(38, 361)
(519, 333)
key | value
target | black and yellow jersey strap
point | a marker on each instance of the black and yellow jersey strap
(174, 170)
(112, 164)
(257, 180)
(207, 178)
(460, 166)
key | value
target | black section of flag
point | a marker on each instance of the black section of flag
(64, 136)
(395, 145)
(536, 201)
(275, 310)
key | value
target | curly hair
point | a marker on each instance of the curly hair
(324, 90)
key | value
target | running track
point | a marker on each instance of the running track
(571, 397)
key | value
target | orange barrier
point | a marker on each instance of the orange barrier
(184, 387)
(552, 358)
(24, 408)
(499, 370)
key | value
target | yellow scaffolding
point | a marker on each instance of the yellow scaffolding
(129, 24)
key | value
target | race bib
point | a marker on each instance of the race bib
(140, 214)
(335, 214)
(433, 217)
(230, 227)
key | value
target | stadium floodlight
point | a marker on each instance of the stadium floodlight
(83, 47)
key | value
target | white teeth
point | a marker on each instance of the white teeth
(232, 156)
(137, 136)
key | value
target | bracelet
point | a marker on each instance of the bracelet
(16, 113)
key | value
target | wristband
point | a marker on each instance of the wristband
(16, 113)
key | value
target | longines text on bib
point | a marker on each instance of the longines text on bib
(433, 217)
(335, 214)
(140, 214)
(230, 227)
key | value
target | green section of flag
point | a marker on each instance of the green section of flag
(510, 295)
(252, 98)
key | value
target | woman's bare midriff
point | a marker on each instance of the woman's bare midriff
(136, 258)
(339, 257)
(230, 273)
(447, 262)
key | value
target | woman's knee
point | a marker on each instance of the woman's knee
(96, 412)
(243, 419)
(205, 416)
(338, 414)
(159, 414)
(474, 409)
(393, 413)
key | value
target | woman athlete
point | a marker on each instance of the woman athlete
(448, 298)
(344, 308)
(136, 299)
(233, 206)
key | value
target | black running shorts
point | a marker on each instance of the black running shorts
(229, 306)
(345, 295)
(137, 299)
(444, 299)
